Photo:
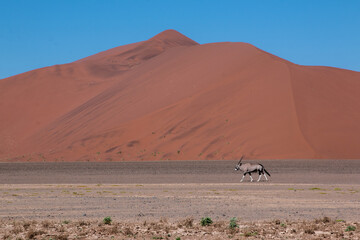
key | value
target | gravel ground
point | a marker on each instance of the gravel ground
(136, 193)
(323, 228)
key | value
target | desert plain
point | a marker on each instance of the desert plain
(303, 199)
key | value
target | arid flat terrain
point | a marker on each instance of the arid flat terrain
(128, 191)
(135, 192)
(178, 172)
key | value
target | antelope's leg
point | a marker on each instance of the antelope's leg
(265, 177)
(251, 177)
(259, 177)
(242, 179)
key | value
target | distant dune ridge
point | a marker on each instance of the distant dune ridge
(172, 98)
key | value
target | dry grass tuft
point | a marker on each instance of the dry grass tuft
(60, 228)
(309, 230)
(6, 236)
(61, 237)
(17, 229)
(114, 230)
(325, 220)
(163, 220)
(31, 234)
(26, 225)
(83, 223)
(188, 222)
(128, 232)
(46, 224)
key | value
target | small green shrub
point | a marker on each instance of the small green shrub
(107, 220)
(233, 223)
(350, 228)
(206, 221)
(251, 234)
(178, 238)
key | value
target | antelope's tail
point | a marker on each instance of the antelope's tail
(265, 170)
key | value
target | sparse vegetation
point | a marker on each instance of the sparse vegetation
(107, 220)
(350, 228)
(206, 221)
(317, 189)
(322, 228)
(250, 234)
(233, 223)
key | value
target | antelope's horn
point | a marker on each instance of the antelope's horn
(241, 158)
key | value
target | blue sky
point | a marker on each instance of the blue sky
(41, 33)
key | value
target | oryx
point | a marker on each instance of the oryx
(248, 168)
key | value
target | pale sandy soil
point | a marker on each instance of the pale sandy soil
(138, 202)
(291, 195)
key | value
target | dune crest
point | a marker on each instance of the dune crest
(171, 98)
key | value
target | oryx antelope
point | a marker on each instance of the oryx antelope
(248, 168)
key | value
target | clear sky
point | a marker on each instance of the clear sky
(39, 33)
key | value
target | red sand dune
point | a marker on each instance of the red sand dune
(171, 98)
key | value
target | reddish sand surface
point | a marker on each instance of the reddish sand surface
(171, 98)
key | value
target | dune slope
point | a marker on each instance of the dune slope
(171, 98)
